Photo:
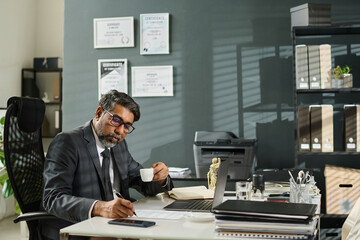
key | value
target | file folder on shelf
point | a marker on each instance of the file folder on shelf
(301, 66)
(352, 128)
(314, 66)
(325, 66)
(321, 124)
(304, 128)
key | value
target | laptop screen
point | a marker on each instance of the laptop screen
(203, 204)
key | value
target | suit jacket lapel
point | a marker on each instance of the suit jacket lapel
(91, 146)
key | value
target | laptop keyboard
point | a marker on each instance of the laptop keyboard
(191, 205)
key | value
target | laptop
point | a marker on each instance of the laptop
(204, 205)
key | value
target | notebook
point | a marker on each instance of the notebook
(204, 205)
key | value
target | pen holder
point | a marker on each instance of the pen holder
(299, 193)
(243, 190)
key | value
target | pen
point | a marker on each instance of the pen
(120, 196)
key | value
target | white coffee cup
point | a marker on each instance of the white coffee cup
(147, 174)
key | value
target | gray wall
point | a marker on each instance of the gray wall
(232, 72)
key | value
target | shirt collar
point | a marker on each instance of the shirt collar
(100, 147)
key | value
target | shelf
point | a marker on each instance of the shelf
(269, 108)
(326, 30)
(332, 90)
(328, 153)
(332, 220)
(53, 103)
(42, 69)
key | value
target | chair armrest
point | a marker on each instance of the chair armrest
(33, 216)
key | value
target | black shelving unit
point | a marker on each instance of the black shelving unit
(30, 82)
(333, 35)
(317, 32)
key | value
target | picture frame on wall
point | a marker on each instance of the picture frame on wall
(154, 33)
(114, 32)
(112, 74)
(152, 81)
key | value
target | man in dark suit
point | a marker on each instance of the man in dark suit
(81, 180)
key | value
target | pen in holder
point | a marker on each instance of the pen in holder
(300, 189)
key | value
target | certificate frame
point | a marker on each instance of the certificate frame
(112, 74)
(154, 33)
(114, 32)
(152, 81)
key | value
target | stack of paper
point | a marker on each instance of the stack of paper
(196, 192)
(280, 220)
(176, 172)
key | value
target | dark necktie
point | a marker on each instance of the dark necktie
(105, 171)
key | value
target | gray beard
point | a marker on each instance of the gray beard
(103, 138)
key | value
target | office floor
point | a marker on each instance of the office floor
(10, 230)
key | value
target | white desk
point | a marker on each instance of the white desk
(183, 229)
(164, 229)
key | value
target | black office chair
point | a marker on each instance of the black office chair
(24, 158)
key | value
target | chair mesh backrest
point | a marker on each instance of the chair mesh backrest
(24, 155)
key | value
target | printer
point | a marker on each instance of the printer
(226, 146)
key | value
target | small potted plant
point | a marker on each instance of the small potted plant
(344, 76)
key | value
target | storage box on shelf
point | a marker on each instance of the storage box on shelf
(342, 189)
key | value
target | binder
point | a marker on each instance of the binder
(325, 66)
(352, 128)
(267, 209)
(314, 66)
(304, 128)
(321, 125)
(56, 89)
(301, 66)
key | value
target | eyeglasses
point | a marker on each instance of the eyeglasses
(117, 121)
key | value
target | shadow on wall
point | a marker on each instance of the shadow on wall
(275, 144)
(172, 154)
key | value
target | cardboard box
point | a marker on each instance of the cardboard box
(352, 127)
(311, 14)
(322, 129)
(50, 62)
(342, 189)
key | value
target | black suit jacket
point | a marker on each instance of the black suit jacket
(73, 178)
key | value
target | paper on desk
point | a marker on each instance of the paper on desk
(153, 214)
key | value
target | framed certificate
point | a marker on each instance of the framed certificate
(154, 33)
(112, 75)
(152, 81)
(113, 32)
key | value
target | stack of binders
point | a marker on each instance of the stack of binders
(243, 219)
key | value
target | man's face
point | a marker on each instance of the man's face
(109, 135)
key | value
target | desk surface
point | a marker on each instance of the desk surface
(183, 228)
(164, 229)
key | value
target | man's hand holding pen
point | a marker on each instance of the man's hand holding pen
(117, 208)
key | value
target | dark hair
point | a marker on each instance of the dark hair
(108, 101)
